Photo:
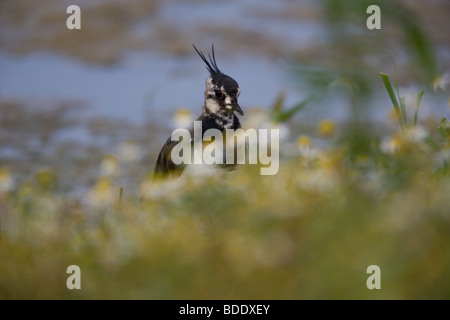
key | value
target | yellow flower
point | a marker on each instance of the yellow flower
(327, 128)
(109, 166)
(103, 193)
(304, 142)
(390, 145)
(6, 180)
(441, 81)
(182, 118)
(306, 148)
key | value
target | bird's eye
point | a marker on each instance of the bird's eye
(219, 94)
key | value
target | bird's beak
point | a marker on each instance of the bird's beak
(238, 109)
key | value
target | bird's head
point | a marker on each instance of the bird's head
(222, 91)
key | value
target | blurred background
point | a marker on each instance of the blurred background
(83, 114)
(131, 67)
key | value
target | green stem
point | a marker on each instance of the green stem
(416, 111)
(391, 93)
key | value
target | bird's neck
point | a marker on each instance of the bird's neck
(223, 118)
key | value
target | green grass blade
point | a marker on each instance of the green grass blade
(396, 80)
(284, 115)
(391, 93)
(402, 100)
(418, 101)
(403, 110)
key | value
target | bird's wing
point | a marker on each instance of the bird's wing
(164, 164)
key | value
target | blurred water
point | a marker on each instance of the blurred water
(151, 86)
(244, 15)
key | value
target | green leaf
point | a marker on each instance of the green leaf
(418, 101)
(391, 93)
(402, 99)
(403, 110)
(283, 116)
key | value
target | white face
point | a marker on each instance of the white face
(209, 84)
(212, 105)
(217, 97)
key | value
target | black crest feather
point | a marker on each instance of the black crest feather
(211, 65)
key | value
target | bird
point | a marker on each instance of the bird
(220, 104)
